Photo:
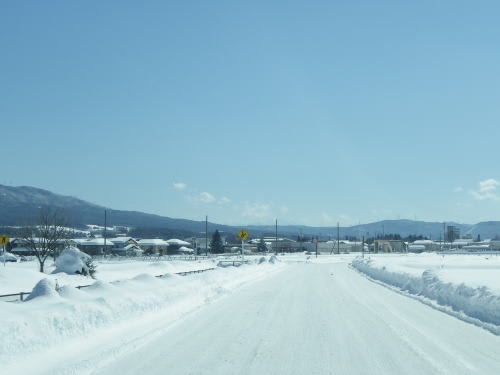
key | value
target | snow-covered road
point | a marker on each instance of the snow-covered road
(315, 319)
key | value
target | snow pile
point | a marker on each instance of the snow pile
(8, 257)
(476, 302)
(47, 324)
(260, 260)
(72, 261)
(44, 288)
(273, 259)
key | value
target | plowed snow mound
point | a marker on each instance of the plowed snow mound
(476, 302)
(44, 288)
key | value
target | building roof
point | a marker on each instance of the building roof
(280, 239)
(186, 249)
(416, 247)
(153, 242)
(423, 242)
(96, 242)
(129, 247)
(118, 240)
(80, 240)
(176, 241)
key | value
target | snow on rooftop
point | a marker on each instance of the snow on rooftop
(96, 242)
(152, 242)
(416, 247)
(423, 242)
(176, 241)
(120, 239)
(186, 249)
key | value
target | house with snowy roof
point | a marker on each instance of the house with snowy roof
(95, 246)
(153, 245)
(125, 246)
(19, 246)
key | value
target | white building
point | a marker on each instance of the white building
(94, 246)
(153, 245)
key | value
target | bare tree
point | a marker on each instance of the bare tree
(47, 236)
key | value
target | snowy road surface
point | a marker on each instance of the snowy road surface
(315, 319)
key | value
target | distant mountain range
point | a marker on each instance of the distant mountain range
(19, 205)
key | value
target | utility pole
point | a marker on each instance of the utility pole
(105, 228)
(338, 238)
(276, 238)
(444, 236)
(206, 235)
(243, 250)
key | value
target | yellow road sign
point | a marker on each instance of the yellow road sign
(4, 240)
(242, 234)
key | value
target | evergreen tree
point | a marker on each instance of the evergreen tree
(261, 247)
(216, 245)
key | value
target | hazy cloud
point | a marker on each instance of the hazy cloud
(224, 200)
(256, 210)
(487, 189)
(179, 186)
(203, 197)
(458, 189)
(206, 197)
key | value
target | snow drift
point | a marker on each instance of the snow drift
(475, 302)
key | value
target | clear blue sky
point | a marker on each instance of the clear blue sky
(308, 111)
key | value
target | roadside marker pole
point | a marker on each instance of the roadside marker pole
(363, 247)
(4, 240)
(338, 238)
(276, 239)
(242, 235)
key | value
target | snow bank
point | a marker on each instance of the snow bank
(22, 276)
(47, 324)
(8, 257)
(475, 302)
(72, 261)
(44, 288)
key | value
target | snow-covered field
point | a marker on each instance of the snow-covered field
(56, 321)
(467, 286)
(22, 276)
